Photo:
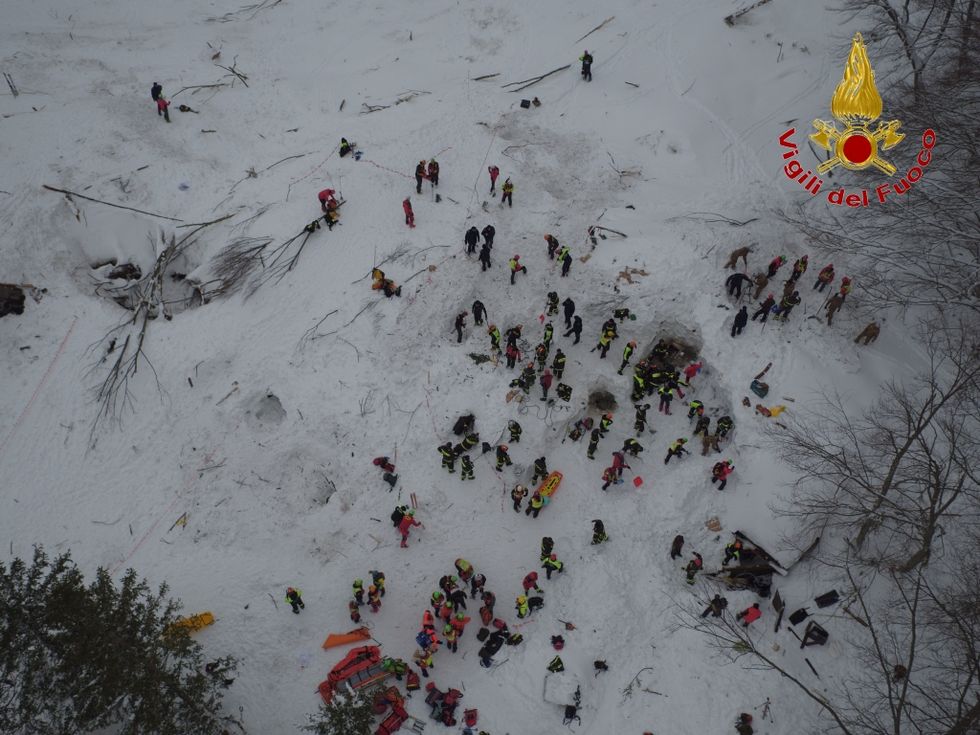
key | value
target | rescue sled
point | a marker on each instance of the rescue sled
(193, 623)
(360, 668)
(550, 484)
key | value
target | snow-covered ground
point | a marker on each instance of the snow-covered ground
(276, 479)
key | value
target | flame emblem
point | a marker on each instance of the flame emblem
(856, 104)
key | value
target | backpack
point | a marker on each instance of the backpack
(423, 640)
(759, 388)
(397, 515)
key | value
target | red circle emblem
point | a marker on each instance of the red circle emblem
(856, 148)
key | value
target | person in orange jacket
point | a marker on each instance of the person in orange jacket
(531, 583)
(459, 623)
(409, 214)
(749, 615)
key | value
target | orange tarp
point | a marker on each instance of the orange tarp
(341, 639)
(194, 622)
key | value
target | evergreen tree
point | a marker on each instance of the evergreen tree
(77, 658)
(343, 716)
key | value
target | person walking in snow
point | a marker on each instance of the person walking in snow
(693, 567)
(479, 312)
(549, 334)
(409, 214)
(515, 431)
(666, 394)
(552, 304)
(605, 340)
(741, 319)
(295, 599)
(627, 354)
(494, 335)
(355, 614)
(466, 465)
(605, 423)
(517, 495)
(423, 659)
(721, 471)
(484, 258)
(619, 463)
(419, 175)
(155, 91)
(869, 334)
(765, 307)
(545, 381)
(378, 578)
(725, 424)
(163, 108)
(433, 172)
(530, 582)
(470, 239)
(405, 527)
(702, 425)
(575, 329)
(494, 173)
(448, 457)
(593, 444)
(715, 607)
(834, 303)
(676, 546)
(845, 286)
(761, 280)
(459, 324)
(568, 307)
(515, 267)
(477, 583)
(676, 449)
(824, 278)
(507, 193)
(708, 442)
(502, 457)
(488, 233)
(540, 470)
(734, 283)
(450, 636)
(586, 59)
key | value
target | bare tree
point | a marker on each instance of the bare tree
(896, 477)
(916, 658)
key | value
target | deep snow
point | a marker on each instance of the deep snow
(254, 473)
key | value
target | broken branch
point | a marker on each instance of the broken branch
(596, 28)
(110, 204)
(533, 80)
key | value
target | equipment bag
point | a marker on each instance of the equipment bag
(482, 633)
(827, 599)
(760, 389)
(799, 616)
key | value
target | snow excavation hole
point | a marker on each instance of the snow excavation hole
(267, 411)
(602, 400)
(683, 350)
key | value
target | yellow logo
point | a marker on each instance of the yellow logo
(856, 104)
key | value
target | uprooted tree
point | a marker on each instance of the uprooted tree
(80, 658)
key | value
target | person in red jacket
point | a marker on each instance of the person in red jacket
(531, 583)
(749, 615)
(608, 477)
(162, 106)
(406, 526)
(459, 623)
(545, 381)
(721, 471)
(494, 173)
(409, 214)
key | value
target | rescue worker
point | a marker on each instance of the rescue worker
(598, 532)
(494, 173)
(438, 599)
(605, 423)
(458, 326)
(448, 457)
(488, 233)
(765, 307)
(799, 268)
(530, 582)
(552, 303)
(552, 564)
(522, 607)
(565, 258)
(515, 267)
(586, 59)
(459, 623)
(540, 470)
(355, 614)
(593, 444)
(534, 505)
(295, 599)
(423, 659)
(702, 425)
(869, 334)
(695, 408)
(605, 340)
(378, 578)
(484, 258)
(558, 364)
(627, 354)
(549, 334)
(476, 585)
(834, 303)
(358, 589)
(502, 457)
(693, 567)
(787, 304)
(470, 239)
(715, 607)
(450, 636)
(545, 382)
(433, 172)
(553, 246)
(547, 546)
(575, 329)
(724, 425)
(515, 431)
(640, 422)
(405, 527)
(609, 477)
(466, 467)
(409, 214)
(708, 442)
(345, 147)
(733, 551)
(749, 615)
(633, 447)
(479, 313)
(721, 471)
(676, 449)
(419, 175)
(494, 338)
(676, 546)
(374, 598)
(774, 265)
(825, 277)
(666, 394)
(568, 309)
(507, 193)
